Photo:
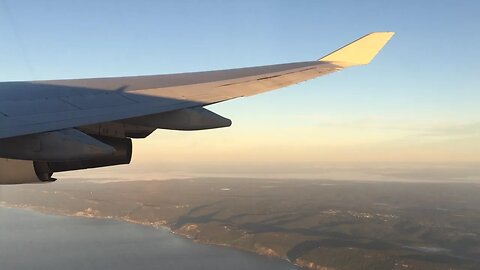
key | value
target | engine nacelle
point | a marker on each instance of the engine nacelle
(13, 171)
(121, 155)
(59, 145)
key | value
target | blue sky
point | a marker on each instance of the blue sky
(424, 82)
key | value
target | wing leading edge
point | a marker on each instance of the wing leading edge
(42, 106)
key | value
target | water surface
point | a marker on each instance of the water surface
(30, 240)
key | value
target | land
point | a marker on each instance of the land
(316, 224)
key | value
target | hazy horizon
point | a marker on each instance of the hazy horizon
(367, 171)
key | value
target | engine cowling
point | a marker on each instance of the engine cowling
(60, 145)
(14, 171)
(122, 154)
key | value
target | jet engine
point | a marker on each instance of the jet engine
(13, 171)
(16, 171)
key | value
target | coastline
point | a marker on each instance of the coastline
(162, 225)
(306, 224)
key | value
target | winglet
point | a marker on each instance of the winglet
(361, 51)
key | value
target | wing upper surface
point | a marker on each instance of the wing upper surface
(40, 106)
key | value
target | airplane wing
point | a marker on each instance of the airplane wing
(43, 106)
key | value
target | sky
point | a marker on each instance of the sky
(417, 102)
